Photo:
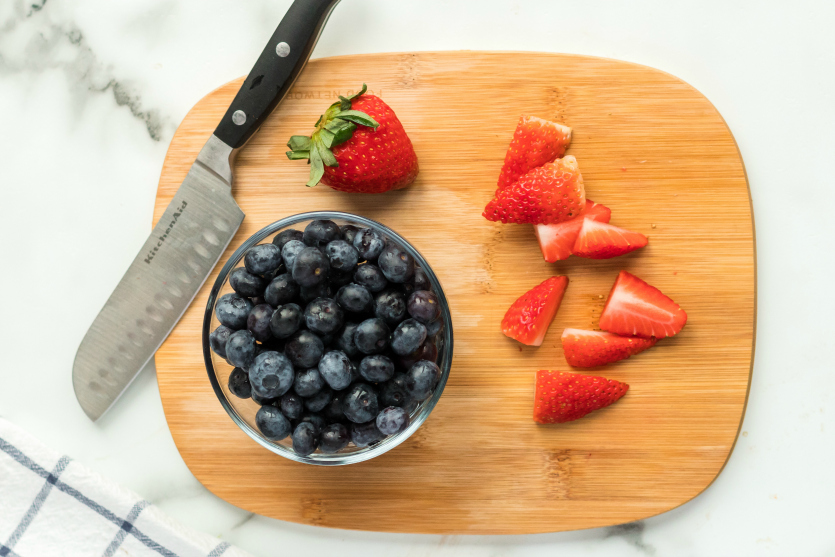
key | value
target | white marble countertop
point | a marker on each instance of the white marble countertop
(92, 90)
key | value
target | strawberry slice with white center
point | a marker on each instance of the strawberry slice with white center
(598, 348)
(635, 308)
(599, 240)
(557, 240)
(529, 317)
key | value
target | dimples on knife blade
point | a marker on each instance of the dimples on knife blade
(175, 261)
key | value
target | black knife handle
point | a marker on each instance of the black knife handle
(275, 71)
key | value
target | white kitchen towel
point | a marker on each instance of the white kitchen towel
(51, 506)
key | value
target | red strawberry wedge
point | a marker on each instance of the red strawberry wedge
(599, 240)
(634, 308)
(596, 348)
(546, 195)
(564, 397)
(535, 142)
(557, 240)
(529, 317)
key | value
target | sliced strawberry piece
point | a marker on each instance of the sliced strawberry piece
(635, 308)
(528, 318)
(564, 397)
(545, 195)
(557, 240)
(599, 240)
(535, 142)
(597, 348)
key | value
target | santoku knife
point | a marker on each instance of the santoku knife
(194, 230)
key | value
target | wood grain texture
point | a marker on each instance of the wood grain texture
(652, 149)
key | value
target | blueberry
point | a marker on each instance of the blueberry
(308, 382)
(263, 401)
(396, 263)
(304, 349)
(262, 259)
(246, 284)
(318, 401)
(371, 277)
(344, 340)
(348, 232)
(392, 420)
(334, 438)
(335, 369)
(363, 435)
(316, 420)
(281, 290)
(310, 293)
(271, 374)
(286, 320)
(390, 306)
(372, 336)
(408, 337)
(360, 404)
(354, 298)
(258, 322)
(421, 379)
(239, 383)
(291, 405)
(424, 306)
(320, 232)
(241, 349)
(434, 328)
(342, 256)
(232, 311)
(323, 316)
(369, 244)
(218, 339)
(394, 393)
(287, 235)
(376, 368)
(421, 280)
(305, 438)
(272, 423)
(311, 267)
(289, 252)
(333, 411)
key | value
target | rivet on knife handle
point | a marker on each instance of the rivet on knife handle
(277, 68)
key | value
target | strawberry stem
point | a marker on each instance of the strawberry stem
(336, 126)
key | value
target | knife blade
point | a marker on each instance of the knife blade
(195, 229)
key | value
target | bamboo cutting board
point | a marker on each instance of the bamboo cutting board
(652, 149)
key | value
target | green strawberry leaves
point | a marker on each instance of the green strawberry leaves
(336, 126)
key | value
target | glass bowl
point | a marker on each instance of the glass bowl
(242, 411)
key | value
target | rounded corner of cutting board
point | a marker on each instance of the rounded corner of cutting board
(604, 100)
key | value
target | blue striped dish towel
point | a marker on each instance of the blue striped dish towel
(53, 506)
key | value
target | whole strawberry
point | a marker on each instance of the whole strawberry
(359, 146)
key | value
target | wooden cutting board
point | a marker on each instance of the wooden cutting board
(651, 148)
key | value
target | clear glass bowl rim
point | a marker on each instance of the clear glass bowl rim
(445, 357)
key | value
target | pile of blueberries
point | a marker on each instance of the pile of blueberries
(333, 332)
